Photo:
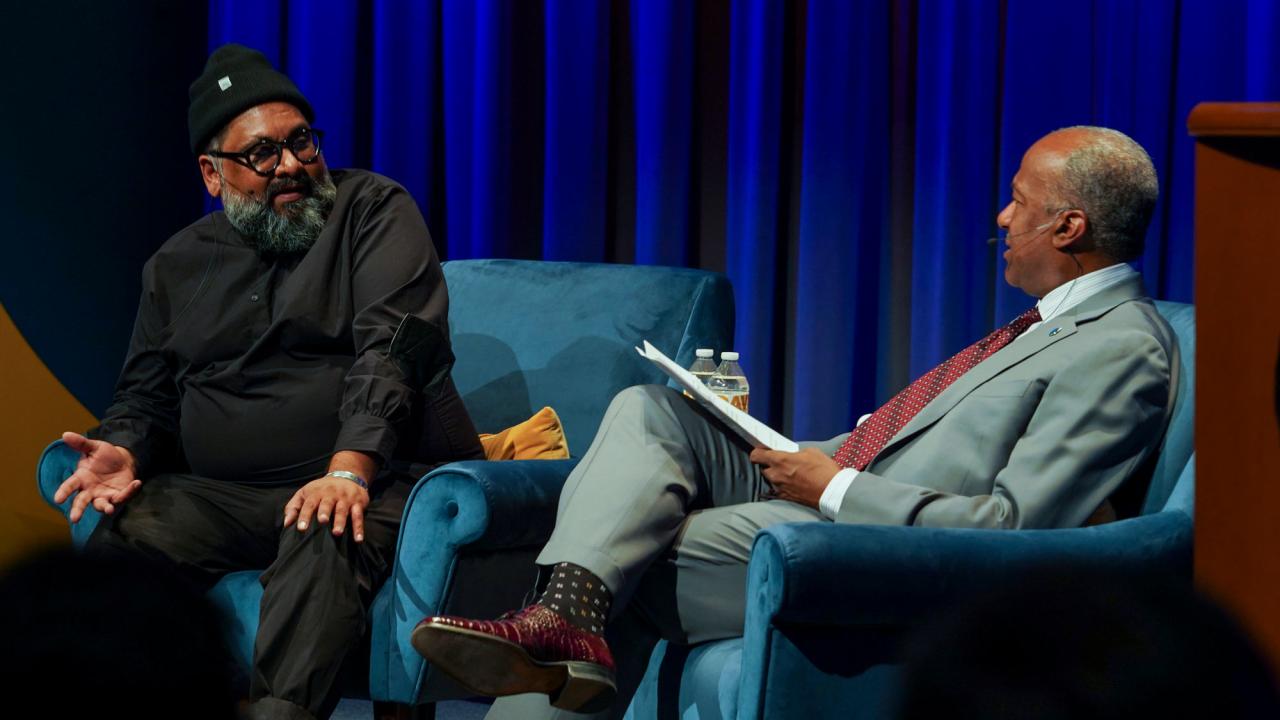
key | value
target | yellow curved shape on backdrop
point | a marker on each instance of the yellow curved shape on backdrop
(37, 408)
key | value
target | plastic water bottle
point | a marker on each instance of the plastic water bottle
(730, 383)
(703, 367)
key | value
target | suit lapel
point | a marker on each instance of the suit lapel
(1007, 357)
(1050, 332)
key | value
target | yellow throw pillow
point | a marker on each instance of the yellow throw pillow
(539, 438)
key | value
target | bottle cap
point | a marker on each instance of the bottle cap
(729, 355)
(704, 352)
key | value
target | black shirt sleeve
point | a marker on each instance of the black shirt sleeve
(395, 273)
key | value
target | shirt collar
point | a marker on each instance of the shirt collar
(1069, 295)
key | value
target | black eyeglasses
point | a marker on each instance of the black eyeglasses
(264, 157)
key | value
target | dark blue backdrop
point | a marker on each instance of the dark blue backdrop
(842, 161)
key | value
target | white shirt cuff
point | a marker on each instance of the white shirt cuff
(829, 503)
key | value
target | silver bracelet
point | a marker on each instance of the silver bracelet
(346, 475)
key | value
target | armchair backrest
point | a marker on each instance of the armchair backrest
(533, 333)
(1176, 450)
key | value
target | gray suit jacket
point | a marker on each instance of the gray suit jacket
(1039, 434)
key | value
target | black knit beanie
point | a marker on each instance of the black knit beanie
(235, 79)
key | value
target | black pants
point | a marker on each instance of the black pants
(317, 588)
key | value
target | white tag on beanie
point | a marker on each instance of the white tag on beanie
(224, 82)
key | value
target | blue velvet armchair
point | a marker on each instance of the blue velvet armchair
(526, 334)
(828, 605)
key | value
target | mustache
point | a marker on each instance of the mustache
(300, 184)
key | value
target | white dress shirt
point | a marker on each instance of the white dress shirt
(1054, 303)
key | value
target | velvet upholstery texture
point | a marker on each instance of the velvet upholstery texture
(526, 334)
(529, 334)
(828, 604)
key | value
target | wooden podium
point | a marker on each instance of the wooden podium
(1237, 425)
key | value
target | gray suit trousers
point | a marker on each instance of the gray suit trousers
(664, 508)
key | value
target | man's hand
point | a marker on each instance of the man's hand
(104, 476)
(329, 498)
(799, 476)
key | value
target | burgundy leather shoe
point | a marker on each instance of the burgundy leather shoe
(533, 650)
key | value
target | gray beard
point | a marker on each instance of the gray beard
(270, 232)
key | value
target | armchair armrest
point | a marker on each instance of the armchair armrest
(56, 464)
(828, 604)
(489, 505)
(861, 575)
(467, 540)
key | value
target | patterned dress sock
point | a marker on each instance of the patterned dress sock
(579, 597)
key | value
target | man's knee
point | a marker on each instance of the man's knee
(656, 405)
(658, 409)
(152, 539)
(160, 521)
(131, 529)
(317, 541)
(647, 395)
(319, 554)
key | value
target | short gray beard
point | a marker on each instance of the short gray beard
(274, 233)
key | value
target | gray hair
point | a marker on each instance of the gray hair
(1112, 179)
(215, 144)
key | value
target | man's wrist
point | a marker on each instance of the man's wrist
(363, 464)
(348, 475)
(130, 460)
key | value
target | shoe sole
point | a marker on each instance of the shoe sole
(491, 666)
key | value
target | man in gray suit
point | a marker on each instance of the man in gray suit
(1034, 426)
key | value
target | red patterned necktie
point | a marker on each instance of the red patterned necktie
(871, 436)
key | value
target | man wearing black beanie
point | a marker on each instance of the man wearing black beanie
(286, 384)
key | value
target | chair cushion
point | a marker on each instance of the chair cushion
(541, 437)
(237, 597)
(529, 333)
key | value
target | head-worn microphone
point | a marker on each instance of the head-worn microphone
(1017, 249)
(1037, 228)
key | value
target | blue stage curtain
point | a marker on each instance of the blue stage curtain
(255, 24)
(662, 43)
(956, 193)
(575, 177)
(844, 207)
(406, 104)
(848, 183)
(755, 205)
(474, 44)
